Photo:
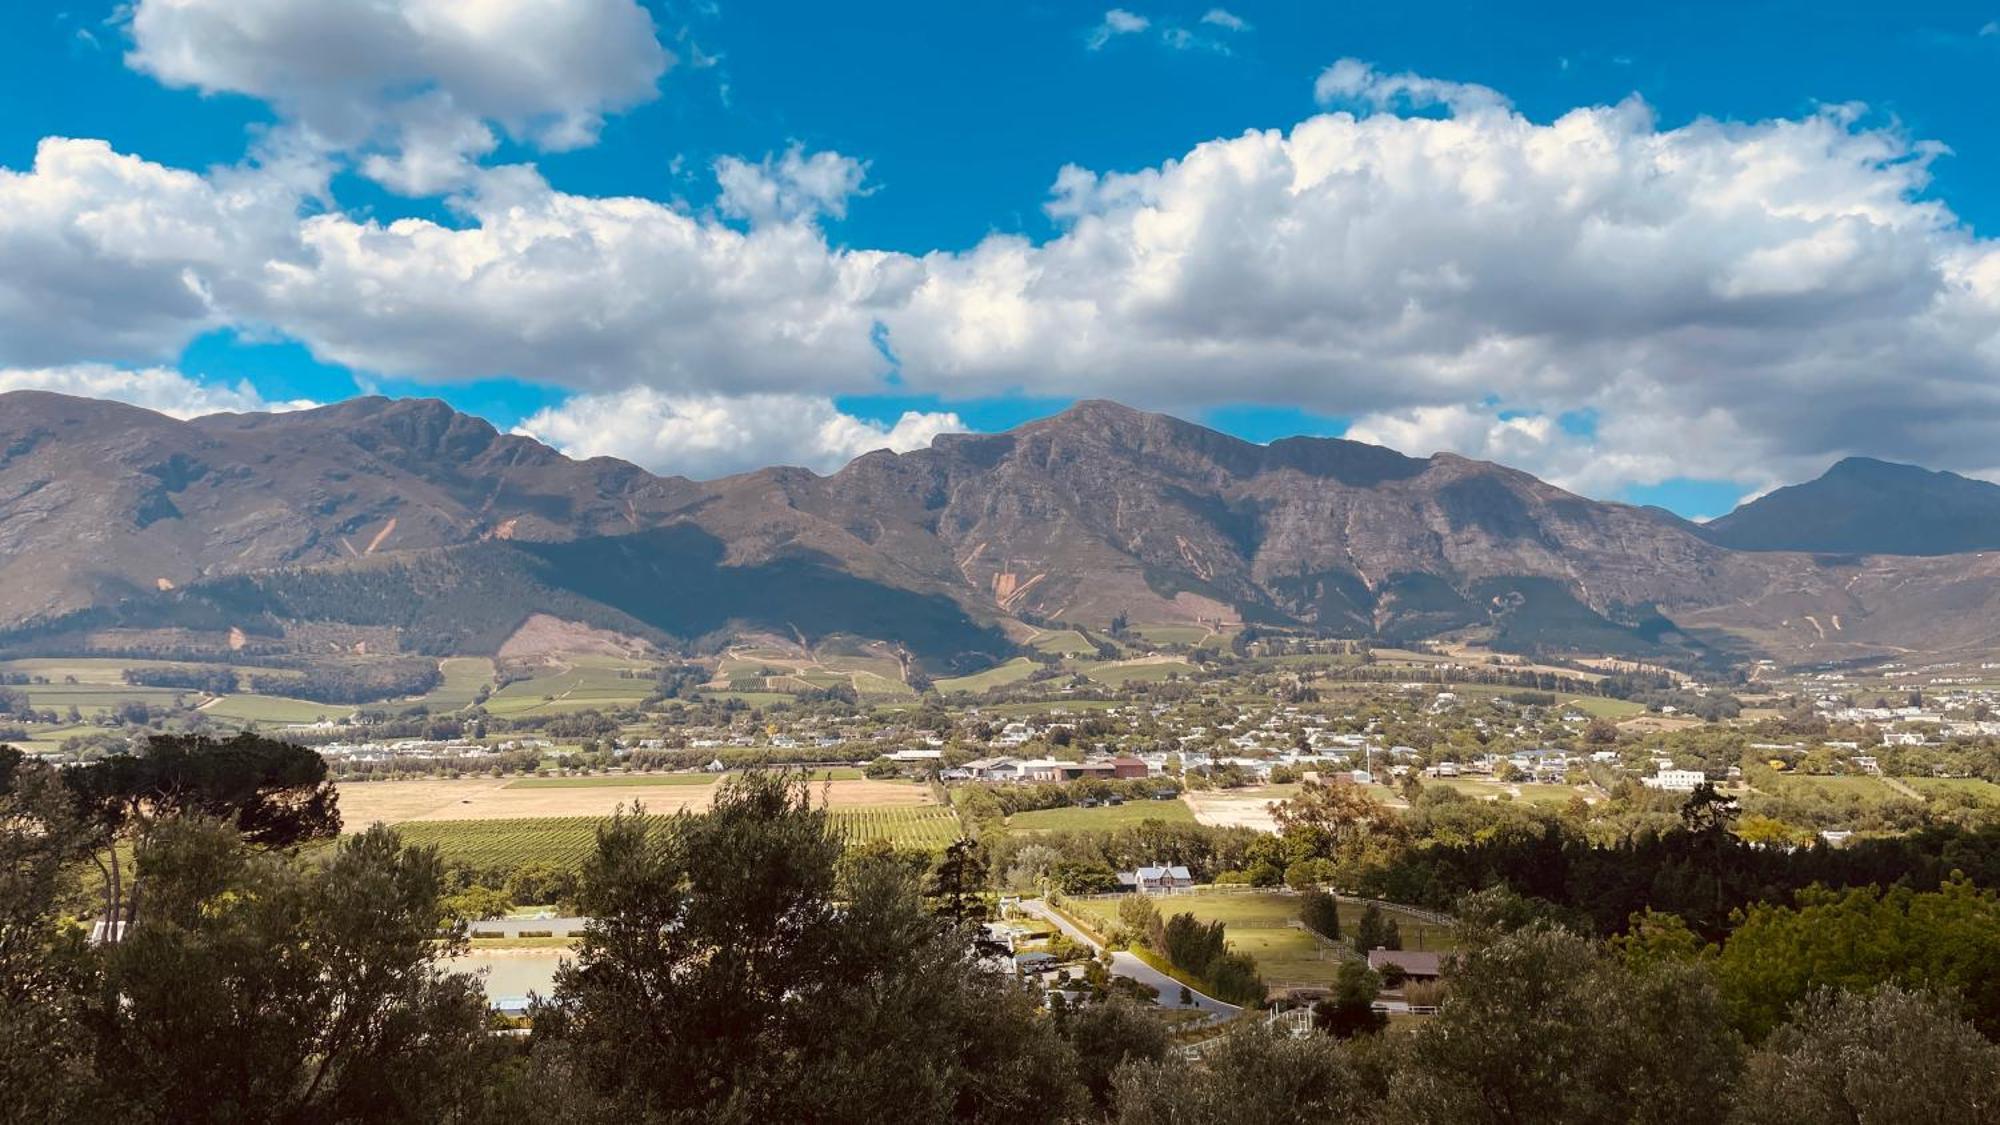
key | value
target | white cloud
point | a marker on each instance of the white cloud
(107, 255)
(1116, 22)
(1352, 80)
(592, 293)
(1747, 300)
(412, 82)
(708, 436)
(156, 388)
(788, 188)
(1225, 19)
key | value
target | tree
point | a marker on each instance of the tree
(1108, 1035)
(1707, 812)
(1879, 1058)
(1253, 1077)
(1947, 940)
(47, 974)
(737, 968)
(1376, 930)
(272, 794)
(1350, 1011)
(1544, 1025)
(958, 883)
(253, 988)
(1320, 913)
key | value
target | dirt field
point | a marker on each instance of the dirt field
(1224, 811)
(487, 799)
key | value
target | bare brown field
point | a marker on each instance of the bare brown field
(1223, 811)
(393, 802)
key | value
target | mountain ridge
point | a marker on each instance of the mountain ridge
(1095, 513)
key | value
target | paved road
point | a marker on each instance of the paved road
(1125, 965)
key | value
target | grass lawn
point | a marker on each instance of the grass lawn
(1259, 925)
(1103, 818)
(613, 781)
(1012, 672)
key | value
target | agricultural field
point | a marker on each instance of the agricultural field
(566, 841)
(252, 708)
(1526, 791)
(584, 682)
(1938, 786)
(1172, 634)
(1868, 790)
(1012, 672)
(1118, 673)
(1259, 925)
(1068, 642)
(1102, 818)
(613, 781)
(463, 677)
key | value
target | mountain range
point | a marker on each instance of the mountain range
(403, 525)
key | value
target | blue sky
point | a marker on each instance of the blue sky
(959, 118)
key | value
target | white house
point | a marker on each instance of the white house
(1675, 781)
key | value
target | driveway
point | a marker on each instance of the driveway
(1126, 965)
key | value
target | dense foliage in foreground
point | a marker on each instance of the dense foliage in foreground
(745, 966)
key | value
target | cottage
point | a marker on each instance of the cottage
(1156, 880)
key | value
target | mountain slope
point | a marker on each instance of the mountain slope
(405, 525)
(1864, 506)
(130, 500)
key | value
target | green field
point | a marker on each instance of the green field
(868, 683)
(590, 682)
(1530, 791)
(1172, 634)
(1012, 672)
(566, 841)
(463, 677)
(1866, 789)
(1937, 786)
(251, 708)
(1259, 925)
(751, 698)
(1118, 673)
(613, 781)
(1069, 642)
(1101, 818)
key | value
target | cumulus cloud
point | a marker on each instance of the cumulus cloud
(790, 187)
(589, 292)
(1747, 300)
(714, 435)
(1116, 22)
(412, 82)
(1225, 19)
(156, 388)
(103, 254)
